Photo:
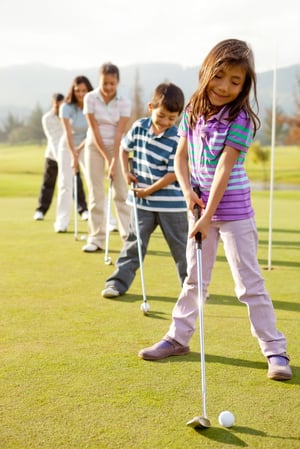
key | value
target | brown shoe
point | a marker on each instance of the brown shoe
(279, 368)
(163, 349)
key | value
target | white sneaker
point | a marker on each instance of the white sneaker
(59, 229)
(85, 215)
(110, 292)
(38, 215)
(91, 248)
(113, 224)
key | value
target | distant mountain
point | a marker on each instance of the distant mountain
(25, 86)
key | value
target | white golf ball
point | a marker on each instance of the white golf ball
(83, 237)
(226, 419)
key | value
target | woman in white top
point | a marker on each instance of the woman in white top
(70, 153)
(53, 130)
(107, 114)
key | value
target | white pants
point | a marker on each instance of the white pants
(95, 175)
(65, 187)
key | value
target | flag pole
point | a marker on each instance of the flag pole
(273, 137)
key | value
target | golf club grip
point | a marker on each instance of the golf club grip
(130, 162)
(197, 215)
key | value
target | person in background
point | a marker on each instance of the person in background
(53, 130)
(160, 201)
(216, 132)
(107, 113)
(70, 149)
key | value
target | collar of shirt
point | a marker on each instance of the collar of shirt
(99, 97)
(169, 132)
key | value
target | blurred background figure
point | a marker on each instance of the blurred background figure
(107, 114)
(70, 149)
(53, 130)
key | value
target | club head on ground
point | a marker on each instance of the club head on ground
(108, 261)
(76, 237)
(145, 308)
(199, 422)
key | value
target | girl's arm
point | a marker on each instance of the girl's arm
(120, 129)
(181, 164)
(217, 190)
(69, 137)
(97, 137)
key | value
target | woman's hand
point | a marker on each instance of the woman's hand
(75, 161)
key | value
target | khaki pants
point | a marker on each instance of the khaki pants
(95, 177)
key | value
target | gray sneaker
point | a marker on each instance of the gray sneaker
(163, 349)
(110, 292)
(279, 368)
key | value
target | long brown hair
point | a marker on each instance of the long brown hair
(71, 97)
(226, 53)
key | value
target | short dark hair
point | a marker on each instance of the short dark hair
(57, 97)
(109, 69)
(169, 96)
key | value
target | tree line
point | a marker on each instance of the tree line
(14, 130)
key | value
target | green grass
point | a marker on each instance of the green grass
(70, 375)
(286, 167)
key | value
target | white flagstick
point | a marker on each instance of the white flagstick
(272, 166)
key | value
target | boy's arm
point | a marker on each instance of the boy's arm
(128, 176)
(164, 181)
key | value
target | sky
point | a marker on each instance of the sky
(83, 34)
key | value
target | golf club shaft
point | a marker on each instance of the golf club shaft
(139, 246)
(75, 206)
(198, 239)
(137, 231)
(108, 213)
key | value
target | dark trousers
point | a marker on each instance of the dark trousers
(48, 186)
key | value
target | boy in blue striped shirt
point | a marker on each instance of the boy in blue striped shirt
(160, 201)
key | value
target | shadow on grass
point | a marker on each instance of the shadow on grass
(229, 436)
(209, 358)
(222, 300)
(281, 230)
(222, 436)
(233, 301)
(275, 263)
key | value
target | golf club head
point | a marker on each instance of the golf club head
(199, 422)
(145, 308)
(108, 261)
(76, 237)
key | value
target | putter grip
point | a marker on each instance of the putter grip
(197, 215)
(130, 162)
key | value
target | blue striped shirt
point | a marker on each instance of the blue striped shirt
(153, 158)
(205, 145)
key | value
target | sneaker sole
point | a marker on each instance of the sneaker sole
(151, 358)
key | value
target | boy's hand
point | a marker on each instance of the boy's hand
(130, 178)
(140, 192)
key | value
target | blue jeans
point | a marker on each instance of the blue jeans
(174, 226)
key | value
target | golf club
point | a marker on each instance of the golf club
(145, 307)
(107, 259)
(75, 207)
(200, 422)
